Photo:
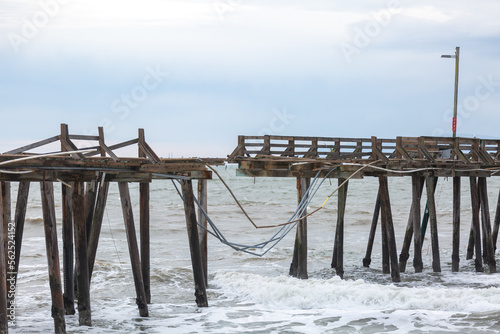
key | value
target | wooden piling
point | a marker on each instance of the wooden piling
(486, 225)
(368, 256)
(194, 244)
(386, 261)
(475, 229)
(431, 205)
(49, 218)
(202, 221)
(19, 219)
(144, 233)
(417, 239)
(496, 223)
(298, 268)
(133, 248)
(4, 307)
(405, 249)
(385, 206)
(455, 257)
(81, 266)
(98, 216)
(68, 249)
(144, 237)
(90, 200)
(338, 249)
(302, 234)
(6, 213)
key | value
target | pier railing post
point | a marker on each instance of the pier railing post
(194, 244)
(49, 222)
(389, 227)
(133, 248)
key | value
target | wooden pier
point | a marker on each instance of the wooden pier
(85, 174)
(424, 159)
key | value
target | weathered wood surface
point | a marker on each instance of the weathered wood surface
(338, 248)
(49, 218)
(385, 208)
(431, 203)
(97, 218)
(279, 155)
(19, 219)
(81, 255)
(298, 268)
(135, 260)
(455, 256)
(371, 238)
(68, 249)
(202, 221)
(417, 184)
(3, 267)
(194, 244)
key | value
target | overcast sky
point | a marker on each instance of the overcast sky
(196, 74)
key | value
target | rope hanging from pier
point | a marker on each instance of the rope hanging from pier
(297, 216)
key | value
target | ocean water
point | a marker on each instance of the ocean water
(252, 294)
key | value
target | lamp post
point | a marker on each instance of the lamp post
(456, 56)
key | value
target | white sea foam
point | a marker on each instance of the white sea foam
(285, 292)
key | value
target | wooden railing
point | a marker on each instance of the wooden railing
(433, 149)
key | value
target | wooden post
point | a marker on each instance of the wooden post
(4, 309)
(302, 234)
(389, 226)
(368, 256)
(486, 225)
(49, 218)
(144, 224)
(496, 223)
(82, 269)
(338, 249)
(5, 211)
(455, 257)
(133, 249)
(475, 230)
(298, 268)
(202, 220)
(90, 196)
(194, 244)
(98, 215)
(405, 250)
(431, 205)
(144, 237)
(68, 249)
(19, 218)
(417, 240)
(386, 266)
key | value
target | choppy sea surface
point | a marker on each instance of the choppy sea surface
(251, 294)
